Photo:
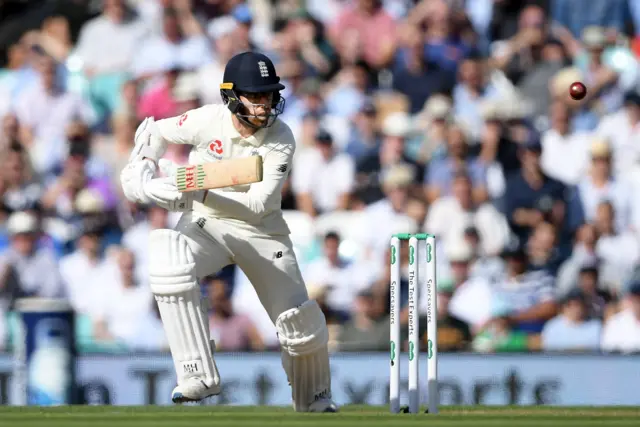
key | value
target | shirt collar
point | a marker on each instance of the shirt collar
(256, 139)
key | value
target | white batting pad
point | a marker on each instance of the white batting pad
(304, 336)
(173, 282)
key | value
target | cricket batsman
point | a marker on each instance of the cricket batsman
(240, 225)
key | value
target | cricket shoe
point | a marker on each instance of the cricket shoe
(323, 405)
(194, 390)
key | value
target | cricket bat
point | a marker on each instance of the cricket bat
(225, 173)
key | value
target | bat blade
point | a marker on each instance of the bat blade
(225, 173)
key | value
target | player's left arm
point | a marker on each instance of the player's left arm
(251, 206)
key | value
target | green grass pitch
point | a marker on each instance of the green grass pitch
(349, 416)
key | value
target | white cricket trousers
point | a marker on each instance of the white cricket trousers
(269, 262)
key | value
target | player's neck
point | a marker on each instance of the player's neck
(244, 130)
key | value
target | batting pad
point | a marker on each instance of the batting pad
(173, 282)
(303, 335)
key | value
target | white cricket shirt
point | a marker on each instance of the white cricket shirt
(209, 129)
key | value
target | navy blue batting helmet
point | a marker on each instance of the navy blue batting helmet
(252, 73)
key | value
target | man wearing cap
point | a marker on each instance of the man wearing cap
(25, 260)
(364, 138)
(599, 76)
(471, 300)
(600, 185)
(240, 225)
(531, 196)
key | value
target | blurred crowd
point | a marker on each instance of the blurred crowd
(451, 117)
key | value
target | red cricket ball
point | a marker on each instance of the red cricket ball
(577, 90)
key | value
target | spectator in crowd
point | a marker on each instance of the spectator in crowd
(604, 92)
(621, 332)
(500, 336)
(124, 312)
(565, 153)
(338, 276)
(44, 111)
(414, 74)
(364, 137)
(159, 102)
(572, 329)
(389, 213)
(19, 186)
(371, 26)
(472, 295)
(599, 303)
(222, 33)
(600, 185)
(323, 178)
(520, 54)
(107, 47)
(542, 249)
(136, 238)
(450, 215)
(528, 295)
(231, 331)
(618, 248)
(441, 173)
(611, 14)
(368, 329)
(471, 91)
(25, 262)
(182, 43)
(620, 129)
(433, 121)
(453, 333)
(485, 264)
(79, 269)
(530, 194)
(396, 127)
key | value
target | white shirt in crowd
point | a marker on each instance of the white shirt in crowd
(623, 137)
(447, 220)
(565, 157)
(79, 275)
(29, 271)
(105, 46)
(472, 302)
(125, 310)
(560, 334)
(343, 280)
(325, 180)
(621, 252)
(157, 55)
(616, 191)
(209, 78)
(621, 333)
(49, 116)
(385, 221)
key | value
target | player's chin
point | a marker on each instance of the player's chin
(259, 120)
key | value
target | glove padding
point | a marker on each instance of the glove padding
(133, 178)
(164, 191)
(148, 142)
